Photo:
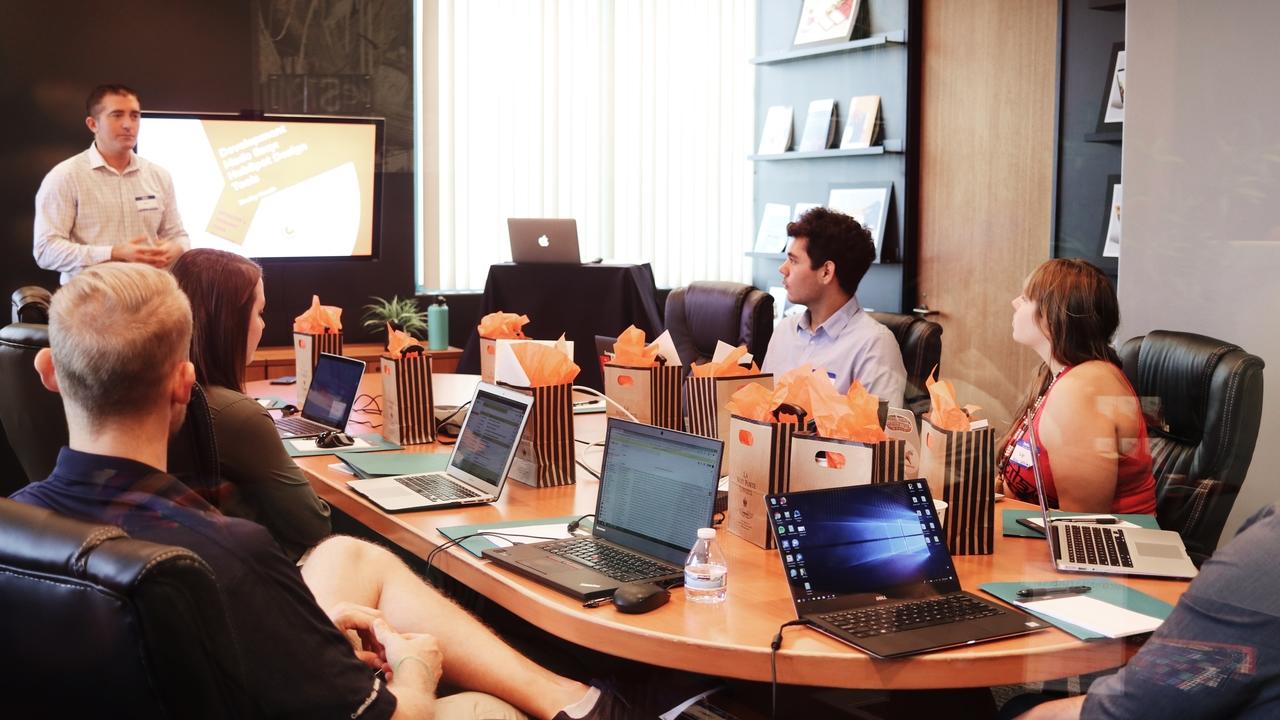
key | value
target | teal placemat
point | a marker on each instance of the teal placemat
(376, 442)
(477, 545)
(383, 464)
(270, 403)
(1104, 590)
(1011, 527)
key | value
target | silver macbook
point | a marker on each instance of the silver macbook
(477, 467)
(334, 386)
(1089, 547)
(544, 240)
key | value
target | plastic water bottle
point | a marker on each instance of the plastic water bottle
(706, 575)
(438, 325)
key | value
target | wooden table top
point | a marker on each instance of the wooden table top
(731, 639)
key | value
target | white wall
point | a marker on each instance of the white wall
(1201, 215)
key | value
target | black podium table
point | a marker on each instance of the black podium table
(581, 301)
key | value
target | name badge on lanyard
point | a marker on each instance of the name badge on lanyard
(1021, 453)
(147, 203)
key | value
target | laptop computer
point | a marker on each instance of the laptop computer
(657, 487)
(544, 240)
(334, 386)
(868, 565)
(478, 465)
(1089, 547)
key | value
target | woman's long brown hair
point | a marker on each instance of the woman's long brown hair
(220, 286)
(1077, 303)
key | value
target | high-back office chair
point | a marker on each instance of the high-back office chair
(920, 341)
(30, 304)
(96, 624)
(1202, 399)
(706, 311)
(36, 424)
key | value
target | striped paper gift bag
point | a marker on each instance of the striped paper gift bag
(758, 463)
(818, 463)
(651, 394)
(708, 398)
(408, 417)
(544, 457)
(306, 353)
(960, 468)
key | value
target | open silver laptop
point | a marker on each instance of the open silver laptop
(330, 399)
(1089, 547)
(479, 463)
(544, 240)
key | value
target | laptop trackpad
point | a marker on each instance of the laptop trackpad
(1158, 550)
(549, 565)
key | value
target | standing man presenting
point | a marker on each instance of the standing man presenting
(829, 254)
(107, 203)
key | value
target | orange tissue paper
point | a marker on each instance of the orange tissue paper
(502, 325)
(752, 401)
(319, 319)
(853, 416)
(630, 350)
(947, 413)
(728, 367)
(398, 342)
(545, 365)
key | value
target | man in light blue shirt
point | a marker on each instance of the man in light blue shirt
(829, 254)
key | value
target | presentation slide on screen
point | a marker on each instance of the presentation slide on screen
(269, 188)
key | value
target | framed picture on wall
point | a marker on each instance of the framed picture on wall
(868, 203)
(1111, 224)
(826, 21)
(1111, 116)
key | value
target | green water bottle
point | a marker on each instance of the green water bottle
(438, 325)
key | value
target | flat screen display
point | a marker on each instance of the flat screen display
(274, 186)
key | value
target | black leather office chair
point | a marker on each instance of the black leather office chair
(32, 416)
(1202, 399)
(706, 311)
(36, 424)
(921, 343)
(96, 624)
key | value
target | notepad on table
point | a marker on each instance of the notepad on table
(372, 465)
(1093, 614)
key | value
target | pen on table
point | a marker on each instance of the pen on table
(1092, 521)
(598, 602)
(1049, 591)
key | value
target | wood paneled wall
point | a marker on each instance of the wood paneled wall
(986, 171)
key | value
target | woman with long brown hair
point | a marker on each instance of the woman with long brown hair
(1092, 440)
(261, 481)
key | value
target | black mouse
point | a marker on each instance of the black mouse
(334, 440)
(636, 598)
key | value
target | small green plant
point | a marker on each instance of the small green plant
(403, 315)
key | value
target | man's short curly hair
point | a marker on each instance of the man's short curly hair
(93, 103)
(839, 238)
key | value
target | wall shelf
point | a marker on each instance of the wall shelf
(896, 37)
(889, 146)
(765, 255)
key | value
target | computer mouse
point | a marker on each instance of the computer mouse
(334, 440)
(636, 598)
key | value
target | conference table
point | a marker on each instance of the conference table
(730, 639)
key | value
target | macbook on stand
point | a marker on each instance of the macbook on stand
(869, 565)
(334, 386)
(1088, 547)
(657, 487)
(477, 467)
(544, 240)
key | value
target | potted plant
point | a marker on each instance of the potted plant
(403, 315)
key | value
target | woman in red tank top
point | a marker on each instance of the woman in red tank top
(1092, 440)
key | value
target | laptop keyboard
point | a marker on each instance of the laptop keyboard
(437, 487)
(617, 563)
(1093, 545)
(883, 620)
(300, 426)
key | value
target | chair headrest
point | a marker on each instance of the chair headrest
(713, 309)
(31, 304)
(1179, 368)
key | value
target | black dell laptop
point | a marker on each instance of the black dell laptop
(657, 487)
(869, 565)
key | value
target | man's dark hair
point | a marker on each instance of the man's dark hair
(839, 238)
(94, 102)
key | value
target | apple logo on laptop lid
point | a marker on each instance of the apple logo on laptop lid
(543, 241)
